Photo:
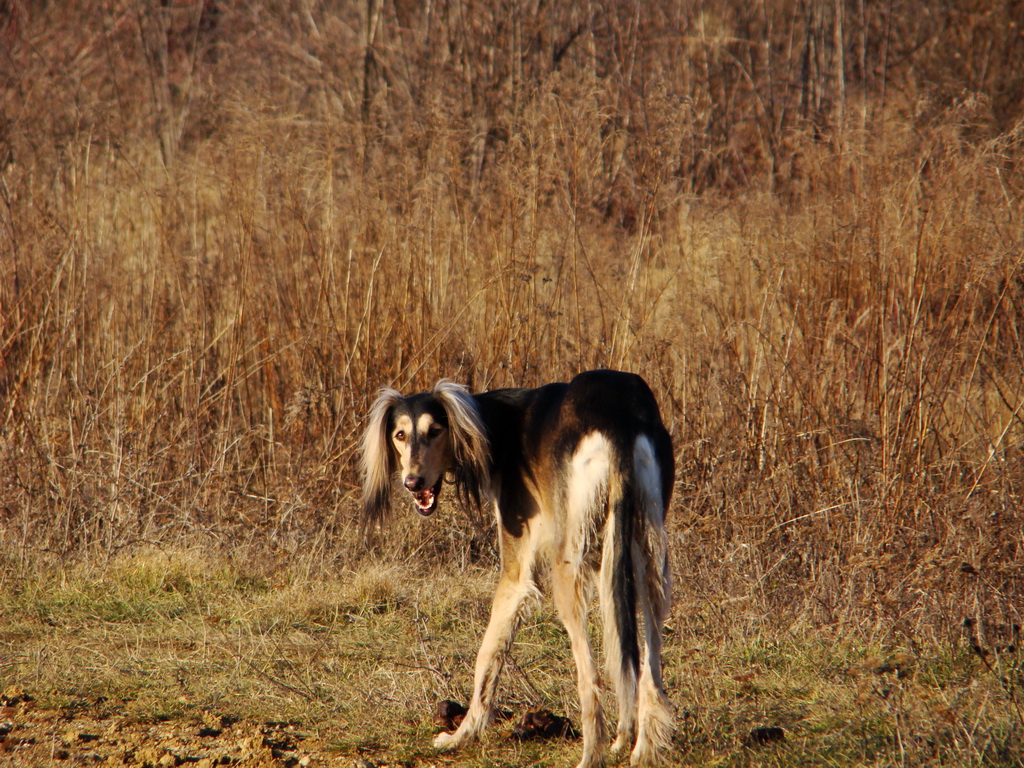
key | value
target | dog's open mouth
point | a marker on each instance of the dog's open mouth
(426, 500)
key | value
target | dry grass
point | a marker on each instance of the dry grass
(223, 225)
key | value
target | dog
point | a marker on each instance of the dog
(579, 477)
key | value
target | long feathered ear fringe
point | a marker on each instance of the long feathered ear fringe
(378, 462)
(469, 442)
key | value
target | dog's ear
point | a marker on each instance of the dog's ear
(378, 462)
(470, 445)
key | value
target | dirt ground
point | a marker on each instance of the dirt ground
(96, 735)
(93, 733)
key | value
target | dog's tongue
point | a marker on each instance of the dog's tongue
(424, 499)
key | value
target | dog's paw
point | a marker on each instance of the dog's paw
(619, 746)
(445, 741)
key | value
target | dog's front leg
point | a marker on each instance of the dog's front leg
(506, 610)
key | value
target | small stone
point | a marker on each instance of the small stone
(147, 757)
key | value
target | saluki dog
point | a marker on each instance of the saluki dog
(579, 476)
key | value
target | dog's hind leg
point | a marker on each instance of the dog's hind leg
(654, 712)
(570, 592)
(514, 589)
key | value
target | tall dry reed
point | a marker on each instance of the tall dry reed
(225, 224)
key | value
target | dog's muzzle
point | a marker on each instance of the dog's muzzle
(425, 498)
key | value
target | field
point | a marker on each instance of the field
(224, 225)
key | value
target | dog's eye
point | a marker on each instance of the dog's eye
(434, 431)
(400, 436)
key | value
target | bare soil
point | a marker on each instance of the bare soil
(93, 733)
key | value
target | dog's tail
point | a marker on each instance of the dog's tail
(635, 580)
(617, 590)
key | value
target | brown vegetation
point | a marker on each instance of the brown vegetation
(224, 224)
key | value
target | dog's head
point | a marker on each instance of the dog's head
(420, 438)
(419, 434)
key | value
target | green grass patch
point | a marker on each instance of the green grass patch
(364, 656)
